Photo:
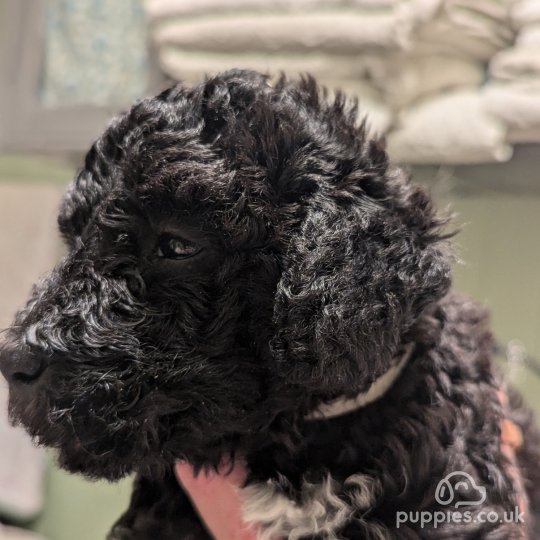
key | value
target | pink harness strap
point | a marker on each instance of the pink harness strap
(217, 500)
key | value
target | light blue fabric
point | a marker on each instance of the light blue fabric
(95, 52)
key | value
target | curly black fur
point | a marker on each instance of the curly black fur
(315, 262)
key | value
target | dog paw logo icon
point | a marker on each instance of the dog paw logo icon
(461, 486)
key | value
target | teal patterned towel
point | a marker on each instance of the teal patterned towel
(95, 52)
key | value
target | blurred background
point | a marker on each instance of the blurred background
(453, 84)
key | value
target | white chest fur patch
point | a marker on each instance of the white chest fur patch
(324, 508)
(320, 510)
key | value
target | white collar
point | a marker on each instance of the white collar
(377, 389)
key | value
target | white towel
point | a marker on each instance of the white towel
(516, 63)
(192, 66)
(453, 128)
(517, 104)
(474, 28)
(410, 77)
(167, 8)
(419, 59)
(344, 32)
(524, 13)
(513, 93)
(529, 36)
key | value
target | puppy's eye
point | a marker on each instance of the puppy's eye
(174, 247)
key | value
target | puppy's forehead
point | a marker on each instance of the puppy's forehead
(229, 143)
(146, 178)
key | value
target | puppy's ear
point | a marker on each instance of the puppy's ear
(356, 276)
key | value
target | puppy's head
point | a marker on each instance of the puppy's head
(230, 245)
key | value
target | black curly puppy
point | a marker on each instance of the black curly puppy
(248, 276)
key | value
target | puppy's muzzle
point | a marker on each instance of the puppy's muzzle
(23, 364)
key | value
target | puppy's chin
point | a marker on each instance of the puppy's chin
(76, 458)
(92, 439)
(90, 445)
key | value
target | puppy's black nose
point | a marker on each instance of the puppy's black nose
(20, 365)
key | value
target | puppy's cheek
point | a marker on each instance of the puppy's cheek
(106, 422)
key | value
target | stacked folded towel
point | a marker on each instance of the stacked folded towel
(418, 67)
(513, 92)
(456, 122)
